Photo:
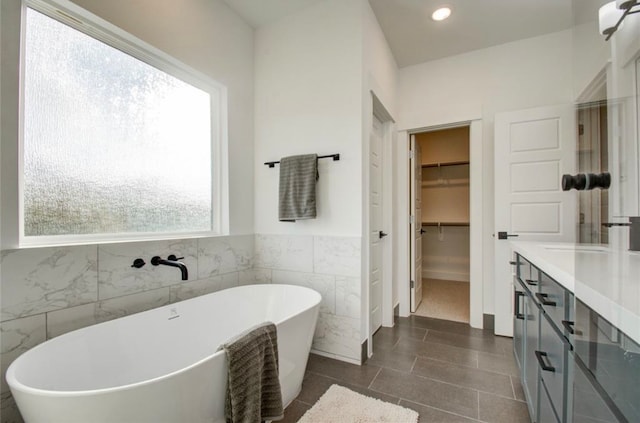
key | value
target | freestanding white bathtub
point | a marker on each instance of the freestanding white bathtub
(161, 365)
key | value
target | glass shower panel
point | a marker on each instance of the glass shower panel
(607, 285)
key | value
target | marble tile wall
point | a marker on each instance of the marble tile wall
(46, 292)
(329, 264)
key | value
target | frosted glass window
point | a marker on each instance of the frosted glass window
(111, 144)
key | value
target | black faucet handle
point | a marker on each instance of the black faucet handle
(586, 181)
(173, 257)
(138, 263)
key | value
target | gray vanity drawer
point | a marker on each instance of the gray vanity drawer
(546, 413)
(552, 358)
(553, 300)
(528, 274)
(531, 369)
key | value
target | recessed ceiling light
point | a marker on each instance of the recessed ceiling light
(441, 14)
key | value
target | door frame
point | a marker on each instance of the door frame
(388, 140)
(476, 283)
(415, 158)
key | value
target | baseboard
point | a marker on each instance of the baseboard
(488, 322)
(336, 356)
(447, 276)
(364, 351)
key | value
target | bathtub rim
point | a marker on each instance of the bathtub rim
(13, 382)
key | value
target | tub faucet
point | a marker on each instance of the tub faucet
(172, 261)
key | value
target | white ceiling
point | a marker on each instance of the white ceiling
(415, 38)
(474, 24)
(262, 12)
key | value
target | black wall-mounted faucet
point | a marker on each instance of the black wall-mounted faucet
(634, 231)
(172, 261)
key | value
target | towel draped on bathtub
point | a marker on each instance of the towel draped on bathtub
(297, 191)
(253, 387)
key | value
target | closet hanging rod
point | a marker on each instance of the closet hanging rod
(446, 164)
(445, 224)
(335, 158)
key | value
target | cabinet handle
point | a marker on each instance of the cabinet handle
(543, 299)
(531, 282)
(517, 313)
(568, 325)
(513, 263)
(543, 365)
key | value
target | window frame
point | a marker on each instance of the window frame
(81, 20)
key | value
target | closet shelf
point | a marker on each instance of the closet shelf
(444, 164)
(445, 223)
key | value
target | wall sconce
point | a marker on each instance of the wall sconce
(611, 15)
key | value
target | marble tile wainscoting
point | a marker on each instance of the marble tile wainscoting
(46, 292)
(330, 265)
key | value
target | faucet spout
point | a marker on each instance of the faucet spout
(173, 262)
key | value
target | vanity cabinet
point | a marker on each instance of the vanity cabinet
(526, 341)
(542, 319)
(575, 366)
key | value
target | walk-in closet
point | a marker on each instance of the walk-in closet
(445, 224)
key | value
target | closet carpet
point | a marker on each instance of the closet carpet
(446, 300)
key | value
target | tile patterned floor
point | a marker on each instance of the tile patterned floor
(447, 371)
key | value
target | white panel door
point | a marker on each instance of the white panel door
(533, 149)
(416, 225)
(375, 226)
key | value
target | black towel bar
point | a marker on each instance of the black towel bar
(335, 158)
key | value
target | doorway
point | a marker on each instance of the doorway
(405, 220)
(441, 242)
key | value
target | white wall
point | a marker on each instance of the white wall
(445, 253)
(476, 85)
(308, 79)
(308, 90)
(380, 79)
(314, 74)
(380, 68)
(591, 54)
(9, 74)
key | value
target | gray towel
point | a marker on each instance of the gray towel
(253, 388)
(298, 176)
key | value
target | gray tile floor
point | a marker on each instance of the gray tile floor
(447, 371)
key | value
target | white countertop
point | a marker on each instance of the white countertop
(607, 281)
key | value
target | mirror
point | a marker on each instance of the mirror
(606, 77)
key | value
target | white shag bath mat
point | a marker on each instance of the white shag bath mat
(342, 405)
